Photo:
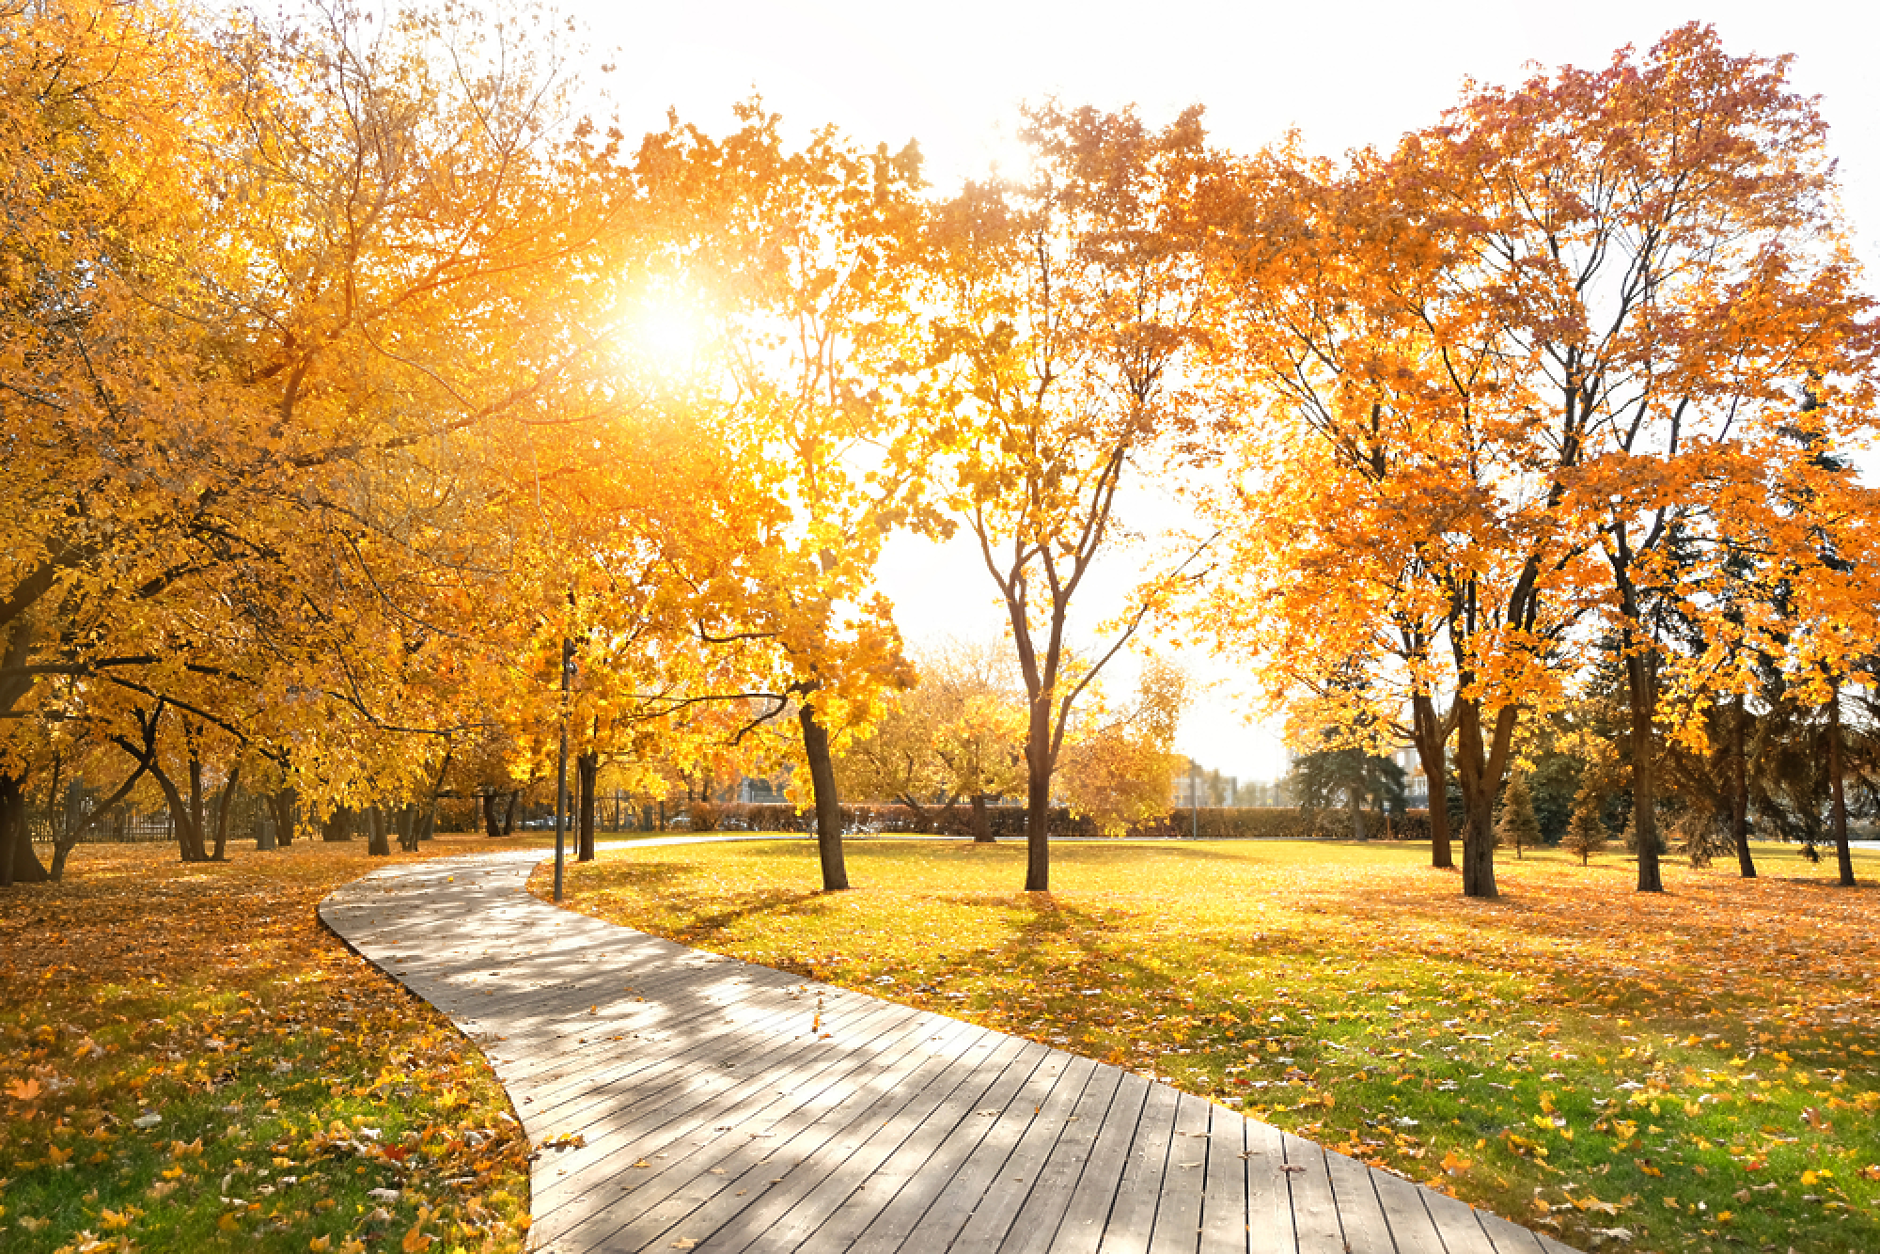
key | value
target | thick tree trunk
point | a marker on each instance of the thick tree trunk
(338, 827)
(378, 844)
(982, 825)
(1838, 790)
(587, 769)
(1354, 802)
(409, 827)
(222, 806)
(1427, 736)
(1739, 789)
(1478, 771)
(198, 817)
(491, 826)
(1641, 691)
(18, 863)
(822, 778)
(509, 813)
(283, 804)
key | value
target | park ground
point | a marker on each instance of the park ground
(188, 1061)
(1698, 1070)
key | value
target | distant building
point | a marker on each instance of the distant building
(1416, 787)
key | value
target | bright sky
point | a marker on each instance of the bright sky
(1345, 74)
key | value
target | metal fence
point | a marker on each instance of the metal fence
(124, 826)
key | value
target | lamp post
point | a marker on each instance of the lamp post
(1194, 799)
(561, 764)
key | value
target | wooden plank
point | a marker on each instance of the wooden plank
(1410, 1224)
(957, 1198)
(1178, 1218)
(1354, 1189)
(707, 1061)
(1269, 1204)
(1087, 1213)
(1224, 1191)
(1138, 1193)
(1456, 1222)
(563, 1092)
(791, 1215)
(890, 1228)
(657, 1128)
(1510, 1238)
(972, 1079)
(648, 1128)
(703, 1204)
(1055, 1182)
(1314, 1203)
(1007, 1191)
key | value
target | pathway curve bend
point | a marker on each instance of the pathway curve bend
(714, 1105)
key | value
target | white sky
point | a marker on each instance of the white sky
(1345, 74)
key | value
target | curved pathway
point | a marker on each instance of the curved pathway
(690, 1101)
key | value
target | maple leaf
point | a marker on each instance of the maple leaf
(23, 1090)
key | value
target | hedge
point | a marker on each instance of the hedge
(1008, 822)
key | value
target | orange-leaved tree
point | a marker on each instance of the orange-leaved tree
(1069, 300)
(1661, 238)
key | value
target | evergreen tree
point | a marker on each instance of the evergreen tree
(1518, 826)
(1586, 835)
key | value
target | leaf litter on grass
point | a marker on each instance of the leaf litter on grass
(190, 1061)
(1699, 1069)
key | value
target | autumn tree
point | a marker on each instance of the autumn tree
(797, 262)
(1387, 508)
(1067, 305)
(1119, 763)
(1662, 242)
(958, 732)
(269, 423)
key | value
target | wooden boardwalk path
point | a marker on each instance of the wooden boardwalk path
(730, 1107)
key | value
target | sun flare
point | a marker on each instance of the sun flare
(665, 331)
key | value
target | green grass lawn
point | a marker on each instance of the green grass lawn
(1698, 1070)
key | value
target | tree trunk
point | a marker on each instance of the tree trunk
(491, 827)
(1427, 736)
(222, 806)
(18, 863)
(378, 845)
(283, 803)
(1739, 789)
(1479, 769)
(1641, 690)
(198, 819)
(1842, 853)
(509, 813)
(923, 821)
(822, 778)
(1354, 802)
(338, 827)
(427, 821)
(188, 835)
(982, 825)
(1038, 765)
(408, 826)
(587, 769)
